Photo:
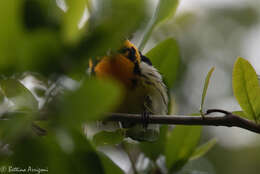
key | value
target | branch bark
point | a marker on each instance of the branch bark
(228, 120)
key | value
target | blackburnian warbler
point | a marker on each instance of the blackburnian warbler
(145, 92)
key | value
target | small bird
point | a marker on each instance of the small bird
(145, 92)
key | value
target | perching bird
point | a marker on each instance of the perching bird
(145, 92)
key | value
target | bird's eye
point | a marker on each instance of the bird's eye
(130, 53)
(124, 50)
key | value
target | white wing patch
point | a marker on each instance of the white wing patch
(152, 80)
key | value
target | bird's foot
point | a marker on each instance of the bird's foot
(145, 119)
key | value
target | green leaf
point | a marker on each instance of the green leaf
(19, 125)
(77, 154)
(72, 18)
(2, 97)
(195, 114)
(108, 137)
(165, 56)
(45, 46)
(38, 14)
(113, 21)
(203, 149)
(62, 152)
(19, 95)
(239, 113)
(206, 85)
(109, 166)
(92, 101)
(154, 149)
(10, 31)
(165, 10)
(246, 88)
(180, 145)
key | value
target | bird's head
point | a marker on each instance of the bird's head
(122, 66)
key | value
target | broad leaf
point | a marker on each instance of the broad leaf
(19, 125)
(180, 145)
(45, 46)
(10, 31)
(92, 101)
(108, 138)
(246, 88)
(203, 149)
(65, 153)
(206, 84)
(17, 93)
(166, 58)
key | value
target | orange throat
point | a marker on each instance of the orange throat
(117, 67)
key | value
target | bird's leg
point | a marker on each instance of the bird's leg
(147, 111)
(145, 118)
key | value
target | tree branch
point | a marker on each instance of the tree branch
(228, 120)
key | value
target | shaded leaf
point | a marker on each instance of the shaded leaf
(2, 97)
(38, 14)
(92, 101)
(19, 95)
(10, 31)
(203, 149)
(154, 149)
(180, 145)
(19, 125)
(51, 152)
(37, 157)
(206, 85)
(138, 133)
(165, 56)
(246, 88)
(111, 23)
(108, 137)
(43, 45)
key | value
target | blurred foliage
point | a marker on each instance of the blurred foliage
(45, 42)
(84, 103)
(34, 26)
(44, 87)
(180, 145)
(72, 18)
(203, 149)
(164, 10)
(21, 97)
(154, 149)
(215, 34)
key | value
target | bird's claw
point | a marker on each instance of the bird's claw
(145, 119)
